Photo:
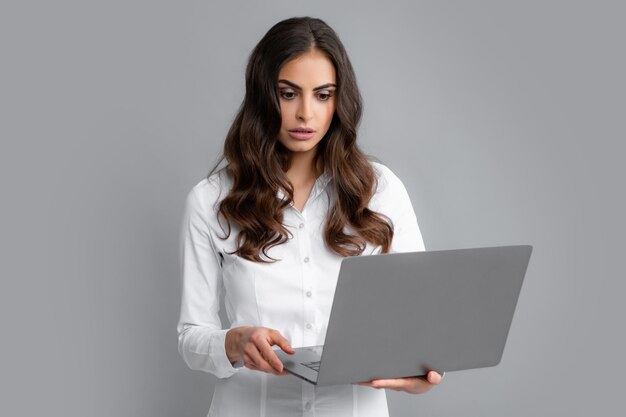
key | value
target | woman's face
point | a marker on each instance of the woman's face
(306, 87)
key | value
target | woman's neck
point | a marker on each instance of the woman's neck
(304, 168)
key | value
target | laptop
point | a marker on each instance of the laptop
(403, 314)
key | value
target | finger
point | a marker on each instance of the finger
(434, 377)
(282, 373)
(368, 384)
(268, 368)
(281, 341)
(248, 363)
(414, 385)
(389, 383)
(257, 359)
(271, 358)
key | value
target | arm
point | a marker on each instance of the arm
(392, 199)
(407, 236)
(201, 339)
(202, 342)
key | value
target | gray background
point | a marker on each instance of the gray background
(502, 119)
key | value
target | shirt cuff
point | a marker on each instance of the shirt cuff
(217, 347)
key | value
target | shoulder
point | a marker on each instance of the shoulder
(387, 180)
(390, 194)
(208, 192)
(392, 199)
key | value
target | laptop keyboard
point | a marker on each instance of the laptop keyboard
(312, 365)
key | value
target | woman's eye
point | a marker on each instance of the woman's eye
(325, 96)
(285, 94)
(288, 95)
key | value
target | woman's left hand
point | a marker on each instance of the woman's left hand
(412, 385)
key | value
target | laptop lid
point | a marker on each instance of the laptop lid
(402, 314)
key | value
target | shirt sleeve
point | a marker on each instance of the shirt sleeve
(201, 339)
(394, 197)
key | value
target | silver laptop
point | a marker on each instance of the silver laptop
(403, 314)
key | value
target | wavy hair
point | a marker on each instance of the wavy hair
(257, 161)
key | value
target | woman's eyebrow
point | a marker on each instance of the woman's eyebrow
(297, 87)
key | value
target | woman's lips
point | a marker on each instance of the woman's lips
(300, 134)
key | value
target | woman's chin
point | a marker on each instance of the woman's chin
(300, 146)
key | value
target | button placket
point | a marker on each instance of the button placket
(309, 324)
(308, 399)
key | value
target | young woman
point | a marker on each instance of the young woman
(268, 231)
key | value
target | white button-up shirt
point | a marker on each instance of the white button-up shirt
(293, 295)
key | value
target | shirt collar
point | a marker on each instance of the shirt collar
(320, 185)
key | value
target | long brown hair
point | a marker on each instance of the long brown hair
(257, 161)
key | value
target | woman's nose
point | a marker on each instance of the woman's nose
(304, 111)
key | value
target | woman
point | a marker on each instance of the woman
(269, 230)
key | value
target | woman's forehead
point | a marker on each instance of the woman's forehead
(308, 70)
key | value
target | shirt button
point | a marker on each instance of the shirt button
(307, 406)
(306, 259)
(301, 225)
(308, 326)
(309, 293)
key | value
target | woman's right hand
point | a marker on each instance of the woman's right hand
(254, 346)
